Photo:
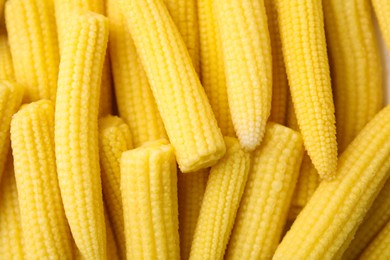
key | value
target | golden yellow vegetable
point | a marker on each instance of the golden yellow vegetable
(379, 248)
(6, 65)
(112, 248)
(382, 12)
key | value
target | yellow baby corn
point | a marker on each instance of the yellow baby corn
(212, 68)
(306, 60)
(375, 219)
(328, 222)
(11, 95)
(185, 16)
(112, 250)
(134, 97)
(379, 248)
(34, 46)
(382, 12)
(247, 58)
(149, 191)
(6, 66)
(221, 200)
(114, 139)
(11, 238)
(45, 228)
(76, 133)
(191, 187)
(181, 100)
(356, 67)
(266, 200)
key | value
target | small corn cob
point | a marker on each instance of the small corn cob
(375, 219)
(185, 16)
(11, 237)
(212, 68)
(191, 187)
(114, 139)
(382, 12)
(306, 60)
(181, 100)
(355, 66)
(221, 200)
(45, 228)
(328, 222)
(34, 46)
(11, 95)
(247, 58)
(149, 191)
(134, 97)
(379, 248)
(6, 65)
(279, 78)
(266, 200)
(76, 131)
(112, 249)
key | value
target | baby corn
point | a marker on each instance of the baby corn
(306, 60)
(6, 65)
(221, 200)
(328, 222)
(76, 131)
(382, 12)
(181, 100)
(112, 250)
(379, 248)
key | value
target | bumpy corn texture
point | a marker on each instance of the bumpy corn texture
(379, 248)
(149, 191)
(114, 139)
(134, 97)
(327, 224)
(11, 95)
(247, 60)
(382, 12)
(112, 249)
(375, 219)
(221, 200)
(306, 60)
(11, 237)
(34, 46)
(45, 228)
(76, 131)
(6, 66)
(181, 100)
(212, 72)
(355, 66)
(266, 200)
(191, 188)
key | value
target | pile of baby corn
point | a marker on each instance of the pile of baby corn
(194, 129)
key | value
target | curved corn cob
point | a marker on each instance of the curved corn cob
(112, 249)
(149, 191)
(45, 228)
(382, 12)
(185, 16)
(6, 65)
(374, 221)
(379, 248)
(224, 189)
(134, 97)
(266, 200)
(76, 133)
(247, 61)
(304, 51)
(34, 46)
(212, 68)
(11, 237)
(328, 222)
(11, 95)
(355, 66)
(114, 139)
(191, 187)
(181, 100)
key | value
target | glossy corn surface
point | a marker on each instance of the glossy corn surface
(6, 64)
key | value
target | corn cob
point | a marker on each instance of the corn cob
(185, 16)
(328, 222)
(191, 190)
(6, 66)
(112, 249)
(247, 58)
(45, 228)
(11, 237)
(373, 222)
(382, 12)
(212, 68)
(76, 133)
(221, 200)
(266, 200)
(34, 46)
(379, 248)
(306, 60)
(114, 139)
(355, 66)
(181, 100)
(149, 191)
(134, 97)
